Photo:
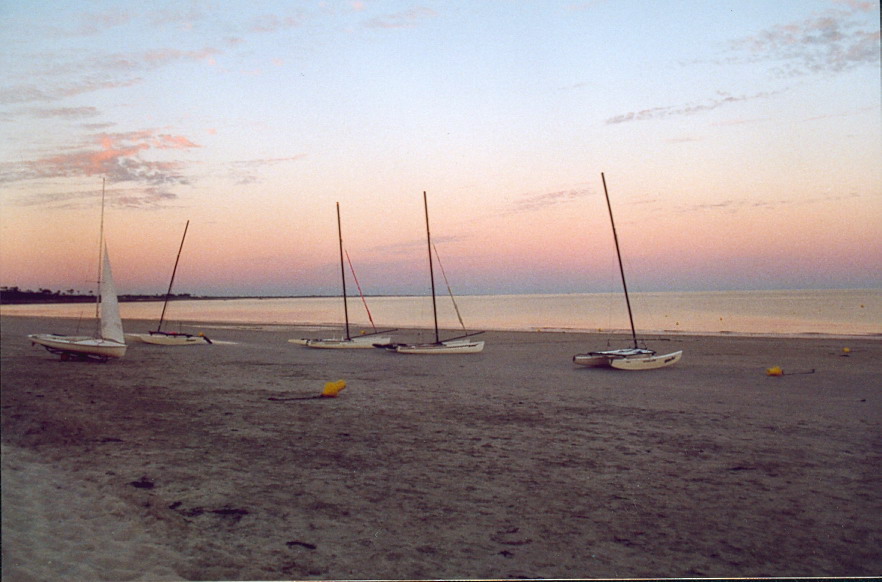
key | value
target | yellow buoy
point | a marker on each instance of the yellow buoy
(333, 388)
(775, 371)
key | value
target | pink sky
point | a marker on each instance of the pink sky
(738, 156)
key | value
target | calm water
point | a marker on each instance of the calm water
(837, 312)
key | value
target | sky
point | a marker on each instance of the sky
(740, 141)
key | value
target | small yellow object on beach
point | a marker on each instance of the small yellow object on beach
(774, 371)
(333, 388)
(846, 350)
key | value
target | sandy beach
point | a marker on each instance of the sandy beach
(211, 462)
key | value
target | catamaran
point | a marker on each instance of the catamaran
(366, 339)
(635, 357)
(109, 338)
(171, 338)
(457, 345)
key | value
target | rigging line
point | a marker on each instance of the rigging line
(357, 284)
(449, 290)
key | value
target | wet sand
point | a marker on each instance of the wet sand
(210, 462)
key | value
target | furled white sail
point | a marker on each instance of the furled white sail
(111, 323)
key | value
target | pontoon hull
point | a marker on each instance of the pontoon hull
(79, 345)
(646, 362)
(627, 359)
(169, 339)
(448, 347)
(603, 359)
(363, 342)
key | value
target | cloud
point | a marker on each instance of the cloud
(244, 172)
(31, 93)
(92, 23)
(734, 206)
(405, 19)
(152, 197)
(530, 203)
(186, 16)
(98, 73)
(149, 197)
(273, 23)
(149, 60)
(118, 156)
(720, 100)
(65, 112)
(834, 41)
(416, 245)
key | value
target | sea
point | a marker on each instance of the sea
(766, 313)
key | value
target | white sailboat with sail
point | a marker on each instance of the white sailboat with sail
(348, 341)
(633, 358)
(171, 338)
(109, 338)
(458, 345)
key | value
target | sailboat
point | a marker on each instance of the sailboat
(633, 358)
(171, 338)
(109, 339)
(365, 340)
(456, 345)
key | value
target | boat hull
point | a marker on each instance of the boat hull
(591, 360)
(646, 362)
(603, 359)
(441, 348)
(627, 359)
(84, 346)
(356, 343)
(168, 339)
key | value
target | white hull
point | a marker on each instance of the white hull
(646, 362)
(168, 339)
(79, 345)
(448, 347)
(361, 342)
(627, 359)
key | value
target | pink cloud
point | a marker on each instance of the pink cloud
(119, 156)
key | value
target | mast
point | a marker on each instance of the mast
(343, 272)
(619, 255)
(431, 271)
(172, 282)
(100, 259)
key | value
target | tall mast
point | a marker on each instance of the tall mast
(100, 257)
(343, 272)
(619, 255)
(431, 271)
(172, 282)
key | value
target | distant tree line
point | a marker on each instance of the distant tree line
(11, 295)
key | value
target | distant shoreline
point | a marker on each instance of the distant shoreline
(37, 298)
